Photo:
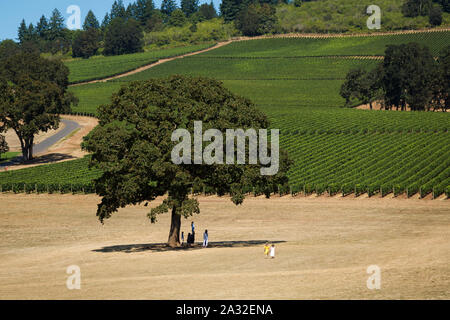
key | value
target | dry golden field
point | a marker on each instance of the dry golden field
(323, 248)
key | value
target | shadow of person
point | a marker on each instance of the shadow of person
(163, 247)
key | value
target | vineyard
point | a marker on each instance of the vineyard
(64, 177)
(99, 67)
(345, 46)
(296, 83)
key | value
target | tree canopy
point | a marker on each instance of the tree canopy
(189, 7)
(409, 76)
(3, 144)
(33, 92)
(91, 21)
(132, 146)
(256, 19)
(86, 43)
(123, 36)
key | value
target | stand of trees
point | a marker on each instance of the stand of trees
(409, 76)
(121, 30)
(431, 8)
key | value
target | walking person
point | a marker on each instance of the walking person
(272, 251)
(205, 239)
(266, 250)
(182, 237)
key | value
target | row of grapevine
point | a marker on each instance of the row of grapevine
(48, 188)
(305, 189)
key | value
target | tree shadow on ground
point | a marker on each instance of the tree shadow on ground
(44, 159)
(162, 247)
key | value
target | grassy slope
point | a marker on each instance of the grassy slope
(347, 16)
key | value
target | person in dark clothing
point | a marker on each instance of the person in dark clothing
(205, 239)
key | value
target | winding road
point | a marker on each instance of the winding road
(69, 127)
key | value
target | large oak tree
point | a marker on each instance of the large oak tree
(132, 146)
(33, 93)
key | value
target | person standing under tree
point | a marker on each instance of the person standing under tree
(193, 231)
(272, 251)
(205, 239)
(182, 238)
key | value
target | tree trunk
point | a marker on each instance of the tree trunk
(370, 103)
(30, 150)
(27, 149)
(175, 226)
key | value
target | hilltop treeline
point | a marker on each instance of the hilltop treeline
(141, 23)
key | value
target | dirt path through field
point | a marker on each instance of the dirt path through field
(143, 68)
(323, 249)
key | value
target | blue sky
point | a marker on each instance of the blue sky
(13, 11)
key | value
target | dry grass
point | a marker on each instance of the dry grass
(327, 245)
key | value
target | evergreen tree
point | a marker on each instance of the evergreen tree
(189, 7)
(56, 25)
(22, 32)
(106, 21)
(42, 28)
(229, 9)
(85, 43)
(118, 10)
(131, 11)
(31, 34)
(143, 10)
(91, 21)
(123, 36)
(168, 6)
(207, 11)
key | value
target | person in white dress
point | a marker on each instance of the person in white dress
(272, 251)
